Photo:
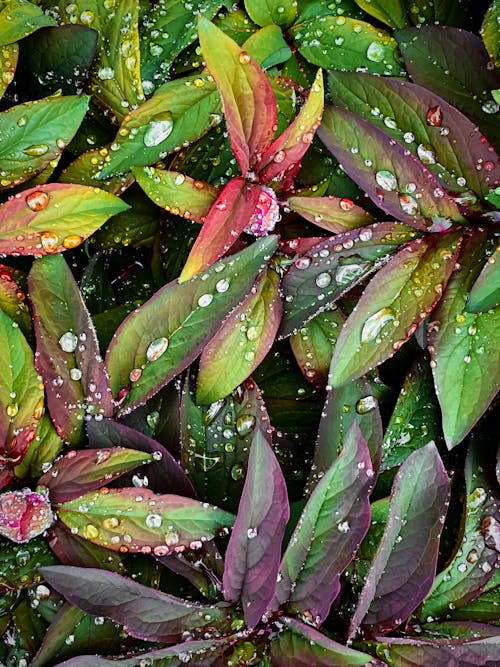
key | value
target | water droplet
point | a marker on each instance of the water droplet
(490, 106)
(279, 157)
(375, 52)
(346, 204)
(343, 527)
(408, 204)
(323, 279)
(426, 154)
(205, 300)
(251, 533)
(390, 122)
(36, 150)
(386, 180)
(68, 342)
(72, 241)
(237, 472)
(135, 374)
(50, 241)
(375, 323)
(90, 532)
(179, 179)
(366, 404)
(111, 522)
(153, 521)
(12, 409)
(172, 538)
(75, 374)
(156, 348)
(409, 137)
(222, 286)
(245, 424)
(37, 200)
(347, 273)
(106, 73)
(252, 333)
(159, 128)
(244, 58)
(302, 263)
(434, 116)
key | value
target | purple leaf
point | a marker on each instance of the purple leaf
(394, 179)
(254, 550)
(68, 357)
(77, 473)
(404, 566)
(144, 612)
(165, 474)
(299, 645)
(71, 549)
(328, 534)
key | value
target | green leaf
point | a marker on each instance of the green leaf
(247, 96)
(53, 218)
(391, 12)
(20, 562)
(179, 112)
(13, 299)
(35, 133)
(242, 342)
(393, 304)
(43, 449)
(266, 12)
(21, 397)
(485, 292)
(116, 77)
(140, 521)
(465, 348)
(150, 349)
(68, 356)
(8, 62)
(490, 32)
(19, 18)
(419, 501)
(449, 12)
(267, 47)
(341, 42)
(86, 170)
(177, 193)
(335, 214)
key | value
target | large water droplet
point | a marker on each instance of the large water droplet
(408, 204)
(375, 323)
(75, 374)
(159, 128)
(37, 200)
(90, 532)
(171, 538)
(375, 52)
(68, 342)
(386, 180)
(426, 154)
(302, 263)
(50, 241)
(106, 73)
(366, 404)
(347, 273)
(222, 286)
(434, 116)
(156, 348)
(153, 521)
(323, 279)
(252, 333)
(36, 150)
(205, 300)
(245, 424)
(72, 241)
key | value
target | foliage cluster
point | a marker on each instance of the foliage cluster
(250, 325)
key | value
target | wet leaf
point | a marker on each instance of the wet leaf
(342, 42)
(489, 31)
(35, 133)
(485, 607)
(68, 357)
(24, 514)
(19, 18)
(268, 48)
(336, 214)
(247, 97)
(328, 534)
(485, 292)
(224, 223)
(144, 612)
(216, 440)
(44, 448)
(18, 567)
(8, 62)
(444, 140)
(148, 351)
(404, 566)
(179, 112)
(299, 645)
(21, 397)
(286, 152)
(393, 178)
(391, 12)
(177, 193)
(265, 12)
(394, 303)
(242, 342)
(86, 170)
(324, 272)
(77, 473)
(140, 521)
(53, 218)
(254, 551)
(474, 563)
(13, 299)
(454, 64)
(465, 358)
(116, 77)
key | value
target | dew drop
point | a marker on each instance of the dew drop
(90, 531)
(375, 323)
(156, 348)
(135, 374)
(490, 107)
(72, 241)
(302, 263)
(252, 333)
(153, 521)
(36, 150)
(75, 374)
(251, 533)
(245, 424)
(222, 286)
(426, 154)
(68, 342)
(106, 73)
(386, 180)
(375, 52)
(323, 279)
(37, 200)
(237, 472)
(50, 241)
(172, 538)
(159, 128)
(346, 204)
(408, 204)
(347, 273)
(205, 300)
(434, 116)
(279, 157)
(244, 58)
(12, 409)
(366, 404)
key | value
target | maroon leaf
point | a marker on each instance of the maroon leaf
(24, 515)
(68, 357)
(164, 475)
(254, 550)
(404, 566)
(77, 473)
(144, 612)
(71, 549)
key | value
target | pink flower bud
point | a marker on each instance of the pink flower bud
(24, 515)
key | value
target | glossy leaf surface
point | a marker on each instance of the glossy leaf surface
(242, 342)
(144, 612)
(53, 218)
(396, 300)
(8, 62)
(137, 520)
(335, 214)
(391, 12)
(466, 360)
(248, 99)
(191, 313)
(393, 178)
(489, 31)
(19, 18)
(254, 551)
(485, 292)
(68, 357)
(332, 526)
(404, 566)
(265, 12)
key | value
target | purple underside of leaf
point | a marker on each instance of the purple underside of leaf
(322, 547)
(144, 612)
(404, 566)
(165, 474)
(254, 550)
(389, 174)
(226, 220)
(248, 99)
